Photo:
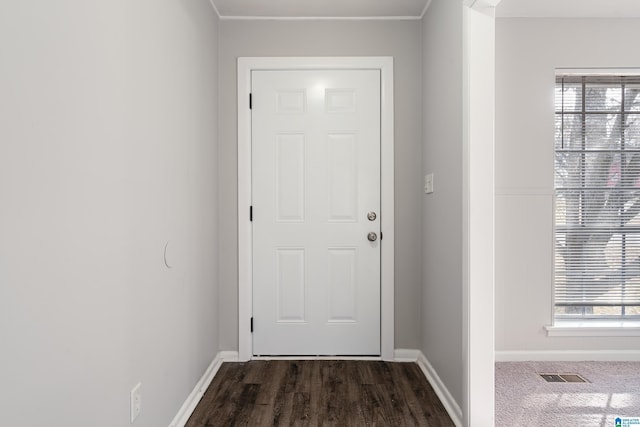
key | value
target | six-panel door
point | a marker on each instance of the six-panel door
(316, 201)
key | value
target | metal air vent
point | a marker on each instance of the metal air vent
(563, 378)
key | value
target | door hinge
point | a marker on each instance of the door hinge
(250, 213)
(250, 101)
(252, 324)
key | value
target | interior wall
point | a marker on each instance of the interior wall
(442, 210)
(400, 39)
(108, 151)
(527, 53)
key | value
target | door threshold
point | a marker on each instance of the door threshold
(363, 358)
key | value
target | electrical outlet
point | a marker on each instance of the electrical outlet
(136, 401)
(428, 183)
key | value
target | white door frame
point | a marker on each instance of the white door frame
(245, 243)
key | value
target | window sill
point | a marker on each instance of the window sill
(594, 328)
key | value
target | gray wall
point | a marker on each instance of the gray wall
(442, 210)
(527, 53)
(400, 39)
(107, 151)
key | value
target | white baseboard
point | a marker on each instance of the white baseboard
(452, 407)
(229, 356)
(190, 404)
(569, 356)
(405, 355)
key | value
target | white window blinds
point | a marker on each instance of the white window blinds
(597, 189)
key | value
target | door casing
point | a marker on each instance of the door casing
(245, 274)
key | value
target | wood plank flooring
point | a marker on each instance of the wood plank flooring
(319, 393)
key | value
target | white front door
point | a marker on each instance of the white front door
(316, 203)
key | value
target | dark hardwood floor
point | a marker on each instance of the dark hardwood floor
(319, 393)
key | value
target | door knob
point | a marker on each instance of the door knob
(372, 237)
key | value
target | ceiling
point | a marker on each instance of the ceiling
(291, 9)
(569, 8)
(320, 8)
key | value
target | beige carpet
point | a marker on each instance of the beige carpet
(525, 399)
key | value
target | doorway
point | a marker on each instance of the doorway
(339, 314)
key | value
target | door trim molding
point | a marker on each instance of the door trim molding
(245, 273)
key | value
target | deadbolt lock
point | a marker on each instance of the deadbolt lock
(371, 216)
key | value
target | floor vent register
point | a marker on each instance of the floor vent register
(563, 378)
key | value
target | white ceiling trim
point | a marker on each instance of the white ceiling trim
(319, 18)
(481, 4)
(215, 8)
(426, 6)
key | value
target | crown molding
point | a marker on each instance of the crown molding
(426, 7)
(481, 4)
(320, 18)
(215, 8)
(473, 4)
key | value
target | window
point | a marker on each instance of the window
(597, 197)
